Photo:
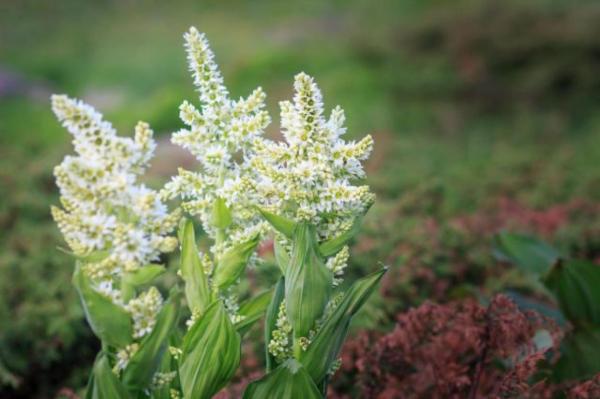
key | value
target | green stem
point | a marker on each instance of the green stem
(297, 348)
(220, 235)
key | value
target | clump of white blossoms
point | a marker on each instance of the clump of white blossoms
(117, 224)
(309, 176)
(104, 208)
(220, 135)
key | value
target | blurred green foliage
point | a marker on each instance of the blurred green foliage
(469, 102)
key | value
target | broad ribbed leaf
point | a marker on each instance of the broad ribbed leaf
(110, 322)
(334, 245)
(580, 358)
(325, 347)
(144, 275)
(308, 282)
(221, 215)
(197, 291)
(233, 262)
(105, 384)
(529, 253)
(252, 310)
(282, 224)
(141, 276)
(271, 320)
(211, 354)
(576, 285)
(289, 381)
(146, 361)
(282, 258)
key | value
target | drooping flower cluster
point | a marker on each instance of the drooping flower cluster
(309, 177)
(219, 135)
(115, 223)
(104, 208)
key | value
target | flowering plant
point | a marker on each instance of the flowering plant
(247, 188)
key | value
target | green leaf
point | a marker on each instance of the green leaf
(110, 322)
(308, 282)
(271, 320)
(105, 384)
(233, 262)
(144, 275)
(281, 256)
(334, 245)
(211, 354)
(282, 224)
(252, 310)
(167, 364)
(141, 276)
(326, 345)
(290, 380)
(92, 257)
(89, 388)
(580, 357)
(197, 291)
(221, 215)
(146, 361)
(576, 285)
(529, 253)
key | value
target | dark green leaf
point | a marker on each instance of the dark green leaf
(531, 254)
(105, 384)
(288, 381)
(211, 354)
(197, 291)
(576, 285)
(146, 361)
(580, 357)
(110, 322)
(326, 345)
(221, 215)
(308, 282)
(233, 262)
(282, 224)
(271, 320)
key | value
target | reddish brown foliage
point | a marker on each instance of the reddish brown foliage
(448, 351)
(586, 390)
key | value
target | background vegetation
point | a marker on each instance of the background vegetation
(484, 115)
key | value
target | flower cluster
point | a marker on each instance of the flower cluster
(114, 223)
(105, 210)
(338, 263)
(220, 136)
(143, 310)
(309, 176)
(280, 343)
